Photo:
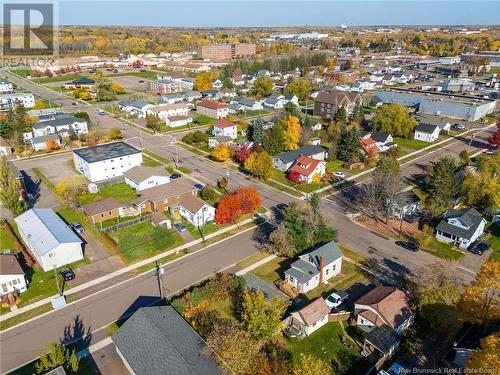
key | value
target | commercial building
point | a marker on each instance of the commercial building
(164, 86)
(226, 51)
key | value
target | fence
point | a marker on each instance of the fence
(339, 316)
(128, 223)
(110, 181)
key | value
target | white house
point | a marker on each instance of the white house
(384, 141)
(105, 161)
(275, 102)
(309, 318)
(226, 128)
(196, 211)
(426, 132)
(163, 111)
(5, 86)
(307, 168)
(285, 160)
(11, 275)
(9, 101)
(460, 227)
(50, 240)
(60, 124)
(135, 107)
(248, 104)
(315, 267)
(212, 109)
(217, 84)
(143, 177)
(176, 121)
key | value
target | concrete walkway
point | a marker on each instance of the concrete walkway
(120, 271)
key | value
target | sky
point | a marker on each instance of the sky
(275, 13)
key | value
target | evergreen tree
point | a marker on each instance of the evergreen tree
(72, 134)
(258, 130)
(348, 145)
(341, 116)
(274, 141)
(442, 184)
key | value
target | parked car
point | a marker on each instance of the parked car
(489, 152)
(141, 81)
(180, 227)
(281, 206)
(339, 174)
(479, 247)
(198, 186)
(67, 273)
(74, 103)
(458, 126)
(335, 299)
(412, 246)
(77, 227)
(173, 176)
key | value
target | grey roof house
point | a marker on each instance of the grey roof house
(314, 267)
(285, 160)
(157, 340)
(460, 227)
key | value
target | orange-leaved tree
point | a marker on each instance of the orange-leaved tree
(249, 199)
(228, 209)
(52, 144)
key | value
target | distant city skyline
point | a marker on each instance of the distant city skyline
(278, 13)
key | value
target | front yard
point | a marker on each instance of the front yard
(412, 144)
(494, 240)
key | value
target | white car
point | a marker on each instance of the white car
(339, 174)
(336, 298)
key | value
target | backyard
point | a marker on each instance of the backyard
(494, 240)
(121, 192)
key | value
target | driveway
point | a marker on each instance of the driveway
(55, 172)
(40, 194)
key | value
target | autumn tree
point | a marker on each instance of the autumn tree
(58, 355)
(103, 89)
(207, 193)
(481, 188)
(279, 243)
(115, 133)
(299, 87)
(310, 365)
(485, 357)
(494, 139)
(242, 153)
(52, 144)
(480, 302)
(292, 133)
(259, 164)
(203, 81)
(10, 196)
(117, 89)
(69, 190)
(394, 119)
(262, 87)
(221, 153)
(228, 210)
(260, 317)
(249, 199)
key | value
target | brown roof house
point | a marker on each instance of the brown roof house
(310, 318)
(326, 104)
(384, 313)
(143, 177)
(105, 209)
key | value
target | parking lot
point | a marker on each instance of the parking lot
(55, 172)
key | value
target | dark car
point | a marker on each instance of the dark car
(141, 81)
(180, 227)
(412, 246)
(77, 227)
(173, 176)
(74, 103)
(479, 247)
(67, 273)
(281, 206)
(198, 186)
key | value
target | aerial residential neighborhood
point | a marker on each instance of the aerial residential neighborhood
(273, 188)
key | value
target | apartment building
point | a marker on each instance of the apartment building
(226, 51)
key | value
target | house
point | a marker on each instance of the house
(460, 227)
(105, 161)
(163, 111)
(10, 101)
(235, 108)
(191, 96)
(284, 161)
(220, 140)
(60, 124)
(275, 102)
(308, 168)
(142, 177)
(227, 93)
(238, 80)
(157, 340)
(172, 98)
(49, 239)
(5, 86)
(226, 128)
(309, 318)
(369, 148)
(243, 89)
(40, 143)
(176, 121)
(217, 84)
(163, 197)
(315, 141)
(81, 83)
(248, 104)
(135, 107)
(12, 278)
(443, 123)
(290, 98)
(380, 344)
(384, 141)
(211, 94)
(314, 267)
(316, 126)
(263, 73)
(196, 211)
(164, 86)
(406, 206)
(5, 147)
(102, 210)
(426, 132)
(212, 109)
(383, 305)
(188, 83)
(326, 104)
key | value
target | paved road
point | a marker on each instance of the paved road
(23, 343)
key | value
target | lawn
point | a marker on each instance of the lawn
(47, 104)
(441, 249)
(252, 259)
(338, 166)
(143, 240)
(5, 240)
(121, 192)
(63, 78)
(21, 72)
(147, 161)
(325, 344)
(273, 270)
(494, 239)
(202, 120)
(411, 143)
(206, 229)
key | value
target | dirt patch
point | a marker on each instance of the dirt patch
(58, 170)
(409, 231)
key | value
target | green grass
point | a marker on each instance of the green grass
(351, 254)
(5, 240)
(494, 240)
(47, 104)
(309, 188)
(28, 369)
(252, 259)
(121, 192)
(325, 344)
(11, 322)
(184, 170)
(146, 160)
(21, 72)
(441, 249)
(272, 271)
(202, 120)
(413, 144)
(290, 190)
(63, 78)
(143, 240)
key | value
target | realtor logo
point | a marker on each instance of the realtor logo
(29, 36)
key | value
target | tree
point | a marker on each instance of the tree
(257, 129)
(115, 133)
(207, 193)
(464, 157)
(235, 349)
(69, 190)
(299, 87)
(58, 355)
(103, 90)
(72, 134)
(310, 365)
(294, 177)
(228, 210)
(259, 164)
(441, 185)
(279, 243)
(203, 81)
(485, 357)
(242, 153)
(480, 302)
(222, 183)
(358, 114)
(348, 145)
(340, 116)
(481, 188)
(274, 142)
(249, 199)
(10, 196)
(39, 104)
(394, 119)
(387, 177)
(52, 144)
(260, 317)
(292, 110)
(292, 133)
(494, 139)
(221, 153)
(117, 89)
(262, 87)
(153, 122)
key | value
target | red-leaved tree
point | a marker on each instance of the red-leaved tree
(243, 153)
(295, 177)
(494, 139)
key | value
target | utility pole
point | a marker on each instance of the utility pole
(57, 281)
(159, 276)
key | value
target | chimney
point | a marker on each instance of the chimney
(321, 265)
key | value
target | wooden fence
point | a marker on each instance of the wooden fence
(128, 223)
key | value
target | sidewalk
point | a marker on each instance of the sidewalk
(120, 271)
